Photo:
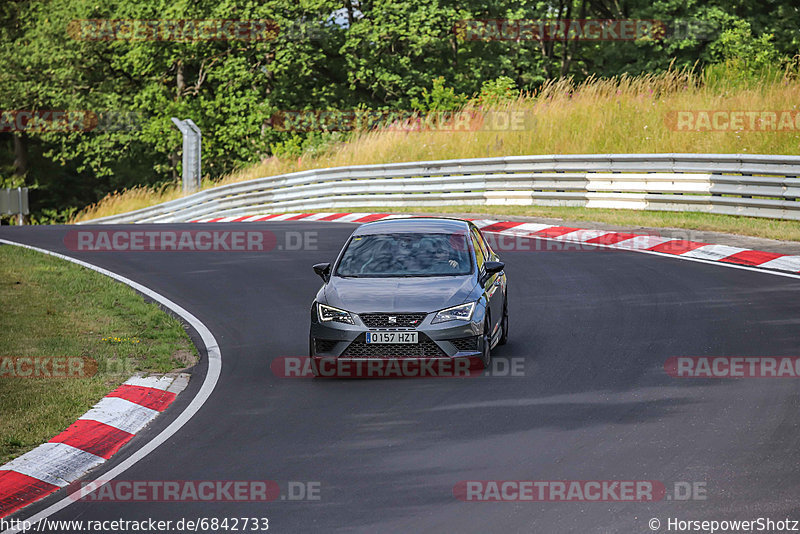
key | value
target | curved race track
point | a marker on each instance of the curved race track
(592, 329)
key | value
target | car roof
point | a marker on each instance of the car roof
(413, 225)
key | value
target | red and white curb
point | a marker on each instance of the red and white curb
(94, 438)
(602, 238)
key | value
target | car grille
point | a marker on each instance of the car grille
(402, 320)
(426, 348)
(324, 345)
(465, 343)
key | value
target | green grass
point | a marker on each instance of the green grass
(55, 308)
(751, 226)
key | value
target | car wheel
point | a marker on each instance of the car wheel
(486, 357)
(504, 323)
(314, 367)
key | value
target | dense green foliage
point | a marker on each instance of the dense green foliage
(376, 54)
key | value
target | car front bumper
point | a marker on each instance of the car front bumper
(331, 340)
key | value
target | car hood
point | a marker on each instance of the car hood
(413, 294)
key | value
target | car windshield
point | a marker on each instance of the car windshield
(406, 254)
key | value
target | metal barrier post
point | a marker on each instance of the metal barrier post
(20, 211)
(191, 154)
(14, 202)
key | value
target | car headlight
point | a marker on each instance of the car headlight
(329, 313)
(462, 312)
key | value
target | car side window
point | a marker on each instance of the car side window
(482, 243)
(487, 249)
(480, 252)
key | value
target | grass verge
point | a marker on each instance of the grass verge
(782, 230)
(53, 308)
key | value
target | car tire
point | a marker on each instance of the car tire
(314, 367)
(486, 356)
(504, 323)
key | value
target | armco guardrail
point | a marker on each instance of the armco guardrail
(732, 184)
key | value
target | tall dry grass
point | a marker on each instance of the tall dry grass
(129, 200)
(626, 114)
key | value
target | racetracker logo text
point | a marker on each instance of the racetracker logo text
(188, 240)
(583, 29)
(47, 367)
(175, 491)
(721, 120)
(733, 367)
(179, 30)
(301, 367)
(559, 490)
(400, 120)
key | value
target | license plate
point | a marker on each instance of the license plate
(391, 337)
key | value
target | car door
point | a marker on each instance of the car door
(493, 286)
(499, 283)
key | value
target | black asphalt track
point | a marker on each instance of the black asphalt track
(591, 329)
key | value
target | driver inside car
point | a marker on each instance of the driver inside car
(434, 255)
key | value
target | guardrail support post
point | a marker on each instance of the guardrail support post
(192, 149)
(22, 208)
(14, 202)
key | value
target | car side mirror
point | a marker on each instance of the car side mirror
(490, 268)
(324, 271)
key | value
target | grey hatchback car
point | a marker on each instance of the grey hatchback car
(411, 288)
